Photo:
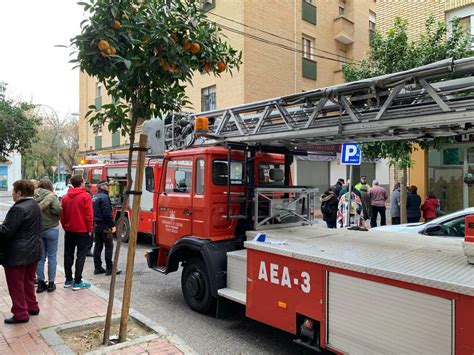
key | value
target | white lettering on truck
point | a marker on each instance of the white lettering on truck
(283, 278)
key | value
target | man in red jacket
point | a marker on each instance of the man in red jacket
(77, 220)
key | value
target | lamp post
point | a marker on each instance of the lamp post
(56, 126)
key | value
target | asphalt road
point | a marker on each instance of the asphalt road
(159, 298)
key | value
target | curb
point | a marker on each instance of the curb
(162, 331)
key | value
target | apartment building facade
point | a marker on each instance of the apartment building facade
(443, 171)
(288, 46)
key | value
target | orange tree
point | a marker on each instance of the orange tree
(145, 52)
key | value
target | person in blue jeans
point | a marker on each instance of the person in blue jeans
(50, 213)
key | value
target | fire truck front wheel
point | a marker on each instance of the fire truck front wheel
(196, 286)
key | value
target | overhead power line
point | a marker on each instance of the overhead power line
(277, 36)
(276, 44)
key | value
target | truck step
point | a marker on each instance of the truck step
(161, 269)
(233, 295)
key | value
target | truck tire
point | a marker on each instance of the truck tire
(125, 230)
(196, 286)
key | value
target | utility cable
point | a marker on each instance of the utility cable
(275, 35)
(283, 46)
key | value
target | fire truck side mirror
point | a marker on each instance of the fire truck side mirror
(149, 179)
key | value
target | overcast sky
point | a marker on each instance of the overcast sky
(34, 69)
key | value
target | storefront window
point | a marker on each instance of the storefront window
(446, 178)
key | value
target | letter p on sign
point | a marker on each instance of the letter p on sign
(351, 154)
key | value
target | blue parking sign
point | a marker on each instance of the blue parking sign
(350, 154)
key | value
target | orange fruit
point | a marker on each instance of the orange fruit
(221, 67)
(111, 51)
(195, 48)
(116, 25)
(187, 45)
(103, 45)
(206, 67)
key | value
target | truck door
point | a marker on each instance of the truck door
(175, 202)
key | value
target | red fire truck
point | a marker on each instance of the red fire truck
(176, 180)
(225, 209)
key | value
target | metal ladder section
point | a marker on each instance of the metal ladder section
(236, 289)
(421, 103)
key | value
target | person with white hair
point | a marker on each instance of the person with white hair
(378, 196)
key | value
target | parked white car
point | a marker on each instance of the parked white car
(60, 189)
(450, 225)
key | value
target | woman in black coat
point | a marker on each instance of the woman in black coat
(20, 240)
(413, 205)
(329, 203)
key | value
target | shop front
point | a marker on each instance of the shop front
(451, 174)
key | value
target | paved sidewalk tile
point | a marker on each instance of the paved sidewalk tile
(56, 308)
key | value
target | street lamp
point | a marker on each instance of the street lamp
(56, 125)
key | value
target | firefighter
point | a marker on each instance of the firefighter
(104, 227)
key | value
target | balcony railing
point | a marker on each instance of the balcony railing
(309, 12)
(309, 69)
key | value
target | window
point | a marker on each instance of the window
(149, 179)
(96, 176)
(271, 174)
(220, 172)
(207, 5)
(342, 7)
(200, 177)
(78, 172)
(208, 98)
(308, 48)
(451, 228)
(179, 176)
(372, 19)
(98, 90)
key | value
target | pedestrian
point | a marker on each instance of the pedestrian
(77, 221)
(20, 236)
(378, 196)
(50, 213)
(413, 205)
(395, 204)
(104, 226)
(329, 206)
(345, 188)
(365, 200)
(356, 219)
(338, 186)
(429, 207)
(87, 186)
(362, 182)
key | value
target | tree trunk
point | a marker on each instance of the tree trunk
(403, 196)
(108, 317)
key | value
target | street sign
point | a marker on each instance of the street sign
(54, 167)
(350, 154)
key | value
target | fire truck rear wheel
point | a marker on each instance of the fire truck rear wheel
(125, 229)
(196, 286)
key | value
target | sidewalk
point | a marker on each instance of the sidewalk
(61, 307)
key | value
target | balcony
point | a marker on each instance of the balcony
(309, 12)
(98, 142)
(309, 69)
(344, 30)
